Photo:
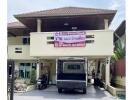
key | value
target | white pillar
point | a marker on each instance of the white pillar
(96, 69)
(38, 70)
(106, 23)
(107, 71)
(56, 69)
(86, 66)
(38, 25)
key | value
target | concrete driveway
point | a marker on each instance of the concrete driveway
(93, 93)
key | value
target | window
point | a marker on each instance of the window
(24, 70)
(26, 40)
(18, 50)
(74, 67)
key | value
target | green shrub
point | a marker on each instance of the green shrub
(33, 77)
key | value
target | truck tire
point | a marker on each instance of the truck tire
(84, 90)
(59, 90)
(40, 87)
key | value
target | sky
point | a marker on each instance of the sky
(24, 6)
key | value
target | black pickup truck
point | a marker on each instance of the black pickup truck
(71, 75)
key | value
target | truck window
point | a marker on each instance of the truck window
(75, 67)
(70, 67)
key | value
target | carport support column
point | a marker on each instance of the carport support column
(38, 70)
(107, 72)
(86, 69)
(56, 68)
(39, 25)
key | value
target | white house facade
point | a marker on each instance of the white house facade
(38, 39)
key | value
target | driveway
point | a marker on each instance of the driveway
(93, 93)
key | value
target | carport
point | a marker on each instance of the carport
(93, 93)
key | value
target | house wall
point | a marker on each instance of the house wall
(19, 56)
(16, 40)
(102, 46)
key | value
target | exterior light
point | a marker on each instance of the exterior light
(74, 28)
(66, 24)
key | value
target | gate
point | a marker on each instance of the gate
(10, 79)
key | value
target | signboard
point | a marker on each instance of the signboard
(70, 39)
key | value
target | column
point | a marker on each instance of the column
(107, 72)
(86, 66)
(96, 69)
(56, 68)
(106, 23)
(38, 70)
(39, 25)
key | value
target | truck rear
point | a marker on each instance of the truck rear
(71, 74)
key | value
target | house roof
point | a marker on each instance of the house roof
(120, 30)
(54, 19)
(16, 24)
(66, 11)
(17, 28)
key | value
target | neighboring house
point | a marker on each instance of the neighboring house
(120, 66)
(32, 46)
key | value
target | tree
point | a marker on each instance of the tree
(33, 76)
(119, 51)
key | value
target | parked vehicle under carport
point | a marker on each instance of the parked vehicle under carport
(71, 74)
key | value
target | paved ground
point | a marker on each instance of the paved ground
(51, 94)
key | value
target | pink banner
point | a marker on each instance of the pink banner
(69, 39)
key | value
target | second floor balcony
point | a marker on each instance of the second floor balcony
(95, 43)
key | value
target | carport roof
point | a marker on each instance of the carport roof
(66, 11)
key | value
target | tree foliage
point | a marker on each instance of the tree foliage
(33, 77)
(119, 51)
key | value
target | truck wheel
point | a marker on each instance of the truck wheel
(59, 90)
(84, 90)
(39, 87)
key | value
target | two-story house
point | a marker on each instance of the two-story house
(32, 44)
